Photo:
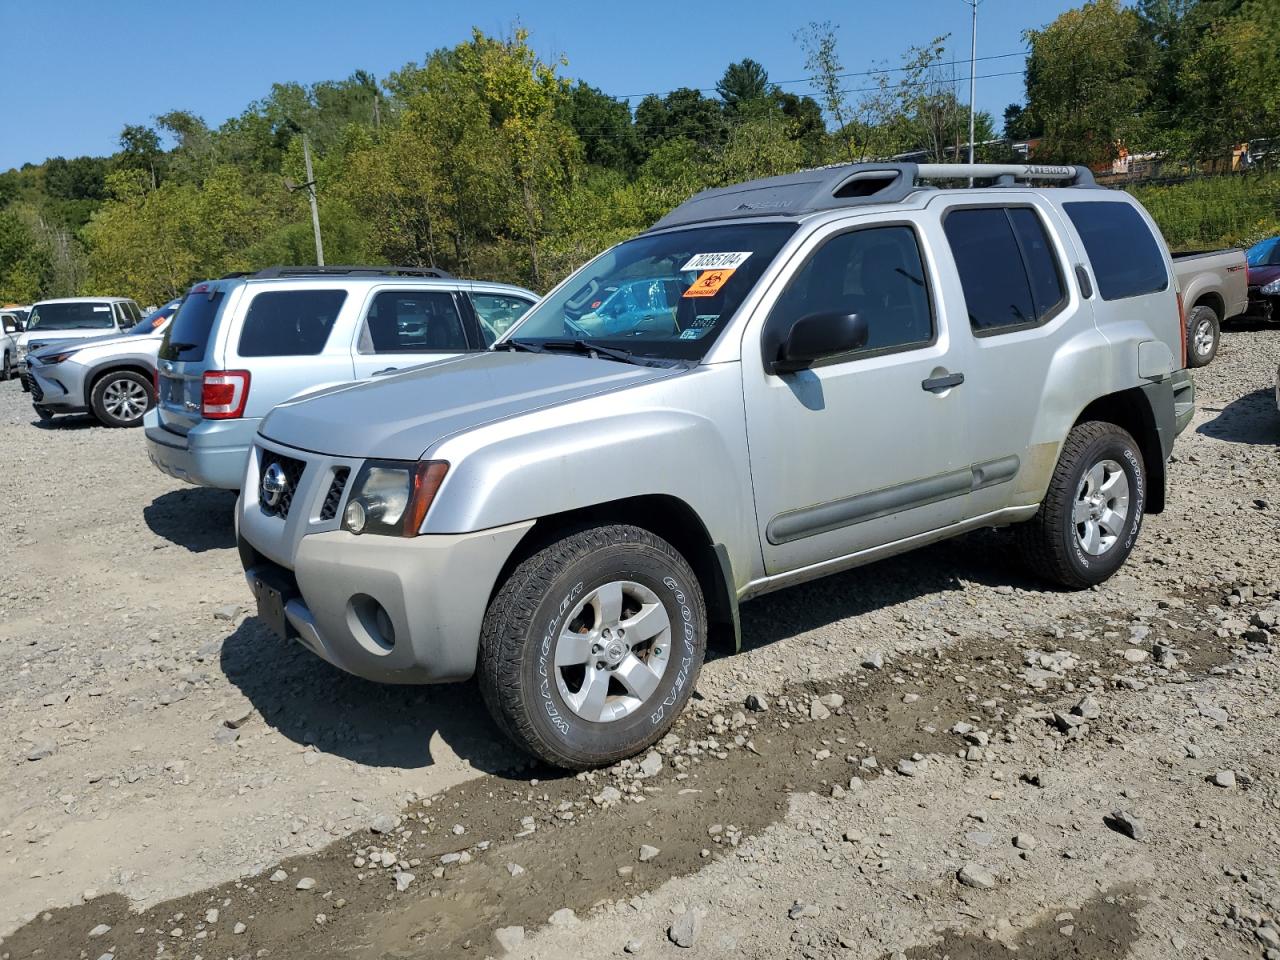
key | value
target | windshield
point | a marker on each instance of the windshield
(71, 316)
(154, 321)
(666, 296)
(1264, 254)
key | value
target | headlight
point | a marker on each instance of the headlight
(22, 351)
(57, 358)
(1272, 289)
(392, 497)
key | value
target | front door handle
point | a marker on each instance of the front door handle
(378, 373)
(938, 384)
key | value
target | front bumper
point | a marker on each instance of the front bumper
(212, 454)
(54, 392)
(433, 590)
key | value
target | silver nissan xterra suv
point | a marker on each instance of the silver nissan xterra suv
(779, 380)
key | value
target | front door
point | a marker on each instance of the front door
(870, 447)
(403, 327)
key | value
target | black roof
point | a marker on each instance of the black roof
(852, 184)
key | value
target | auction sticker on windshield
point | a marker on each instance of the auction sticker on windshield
(714, 261)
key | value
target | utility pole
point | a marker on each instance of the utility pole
(315, 210)
(973, 73)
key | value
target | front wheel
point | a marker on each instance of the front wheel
(6, 370)
(120, 399)
(592, 646)
(1203, 333)
(1089, 520)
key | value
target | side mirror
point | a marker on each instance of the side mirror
(818, 336)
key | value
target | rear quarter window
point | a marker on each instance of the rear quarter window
(1124, 254)
(289, 323)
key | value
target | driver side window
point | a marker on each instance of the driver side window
(877, 273)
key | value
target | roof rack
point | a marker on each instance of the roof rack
(271, 273)
(854, 184)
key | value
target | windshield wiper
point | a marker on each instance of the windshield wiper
(587, 348)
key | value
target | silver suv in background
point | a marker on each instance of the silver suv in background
(74, 318)
(112, 377)
(828, 368)
(243, 344)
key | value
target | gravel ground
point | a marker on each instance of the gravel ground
(951, 762)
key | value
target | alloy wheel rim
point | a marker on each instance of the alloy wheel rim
(1101, 507)
(125, 400)
(613, 651)
(1204, 337)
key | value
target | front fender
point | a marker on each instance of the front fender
(684, 438)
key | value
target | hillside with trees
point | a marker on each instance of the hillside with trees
(488, 161)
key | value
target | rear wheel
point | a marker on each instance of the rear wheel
(120, 399)
(592, 646)
(1203, 333)
(1089, 520)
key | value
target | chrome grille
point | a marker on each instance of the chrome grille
(334, 496)
(293, 476)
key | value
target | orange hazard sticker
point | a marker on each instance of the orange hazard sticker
(708, 283)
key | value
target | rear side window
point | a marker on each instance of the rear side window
(1007, 268)
(497, 313)
(412, 321)
(188, 335)
(1125, 257)
(289, 323)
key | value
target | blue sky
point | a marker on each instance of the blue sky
(82, 69)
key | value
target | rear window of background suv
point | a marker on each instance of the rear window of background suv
(188, 335)
(1125, 257)
(289, 323)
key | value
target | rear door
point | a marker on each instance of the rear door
(402, 327)
(190, 347)
(1022, 313)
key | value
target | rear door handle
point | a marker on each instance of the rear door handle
(938, 384)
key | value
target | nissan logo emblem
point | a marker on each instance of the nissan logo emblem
(275, 484)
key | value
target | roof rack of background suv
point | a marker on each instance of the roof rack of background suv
(269, 273)
(853, 184)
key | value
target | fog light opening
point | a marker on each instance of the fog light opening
(373, 625)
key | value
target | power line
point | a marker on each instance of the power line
(847, 73)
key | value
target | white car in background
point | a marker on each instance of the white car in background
(10, 330)
(73, 318)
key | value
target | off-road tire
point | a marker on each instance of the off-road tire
(26, 387)
(98, 398)
(517, 672)
(1048, 541)
(1205, 320)
(6, 368)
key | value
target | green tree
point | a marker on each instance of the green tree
(683, 114)
(604, 126)
(1087, 82)
(743, 84)
(822, 61)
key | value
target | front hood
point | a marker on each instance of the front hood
(1261, 276)
(35, 339)
(400, 417)
(116, 342)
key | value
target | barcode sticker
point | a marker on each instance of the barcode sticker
(716, 261)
